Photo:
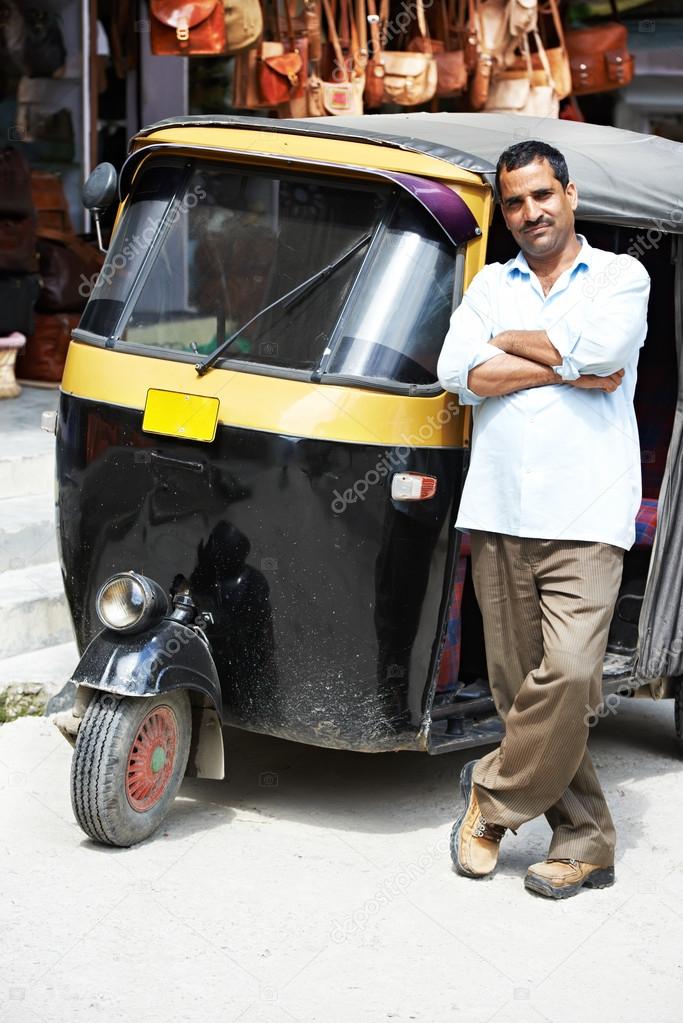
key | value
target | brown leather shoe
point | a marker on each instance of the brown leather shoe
(560, 879)
(474, 842)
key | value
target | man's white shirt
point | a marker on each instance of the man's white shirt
(554, 462)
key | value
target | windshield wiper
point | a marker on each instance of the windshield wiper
(287, 300)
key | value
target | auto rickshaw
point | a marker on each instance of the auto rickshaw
(258, 472)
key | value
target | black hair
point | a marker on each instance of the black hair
(524, 153)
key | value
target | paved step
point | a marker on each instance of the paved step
(30, 472)
(27, 454)
(27, 531)
(33, 609)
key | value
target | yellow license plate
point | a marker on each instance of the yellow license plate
(190, 416)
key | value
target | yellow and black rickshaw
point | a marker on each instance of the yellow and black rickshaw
(258, 472)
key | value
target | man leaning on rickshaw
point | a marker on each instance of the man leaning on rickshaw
(545, 347)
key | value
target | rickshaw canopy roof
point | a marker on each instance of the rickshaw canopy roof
(623, 177)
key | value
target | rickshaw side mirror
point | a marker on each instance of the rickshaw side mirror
(99, 192)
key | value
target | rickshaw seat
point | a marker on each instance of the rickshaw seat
(646, 524)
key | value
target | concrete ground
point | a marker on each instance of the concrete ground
(314, 885)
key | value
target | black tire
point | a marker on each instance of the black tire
(101, 767)
(678, 715)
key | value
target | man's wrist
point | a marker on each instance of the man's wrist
(504, 341)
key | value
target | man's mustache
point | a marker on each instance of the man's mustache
(537, 223)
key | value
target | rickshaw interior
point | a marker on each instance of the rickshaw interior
(655, 404)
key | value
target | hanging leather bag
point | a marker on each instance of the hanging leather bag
(33, 40)
(193, 28)
(281, 74)
(51, 207)
(63, 267)
(44, 354)
(599, 56)
(410, 79)
(451, 74)
(512, 92)
(344, 95)
(15, 184)
(18, 245)
(556, 58)
(243, 24)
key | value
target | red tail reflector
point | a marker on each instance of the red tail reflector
(412, 486)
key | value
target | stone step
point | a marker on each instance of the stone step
(28, 472)
(28, 681)
(27, 454)
(27, 531)
(33, 610)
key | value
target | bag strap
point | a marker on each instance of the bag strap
(362, 23)
(344, 26)
(557, 22)
(375, 35)
(334, 39)
(421, 19)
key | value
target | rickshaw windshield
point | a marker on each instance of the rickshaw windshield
(206, 252)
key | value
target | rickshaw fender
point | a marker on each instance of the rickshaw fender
(168, 656)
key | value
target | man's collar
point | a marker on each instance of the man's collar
(583, 258)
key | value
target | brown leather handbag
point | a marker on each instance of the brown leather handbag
(44, 354)
(52, 209)
(64, 268)
(281, 74)
(599, 56)
(196, 27)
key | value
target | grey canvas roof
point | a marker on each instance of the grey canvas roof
(622, 177)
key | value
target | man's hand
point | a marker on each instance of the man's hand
(592, 382)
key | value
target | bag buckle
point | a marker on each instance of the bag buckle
(182, 32)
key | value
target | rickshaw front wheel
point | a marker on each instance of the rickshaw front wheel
(128, 763)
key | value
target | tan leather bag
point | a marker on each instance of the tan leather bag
(451, 74)
(480, 82)
(243, 24)
(410, 78)
(557, 59)
(195, 28)
(512, 92)
(345, 94)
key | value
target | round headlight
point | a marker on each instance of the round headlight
(129, 602)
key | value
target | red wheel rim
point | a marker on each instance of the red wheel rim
(151, 759)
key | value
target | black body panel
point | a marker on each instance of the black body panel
(327, 613)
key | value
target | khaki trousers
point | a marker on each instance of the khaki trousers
(547, 607)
